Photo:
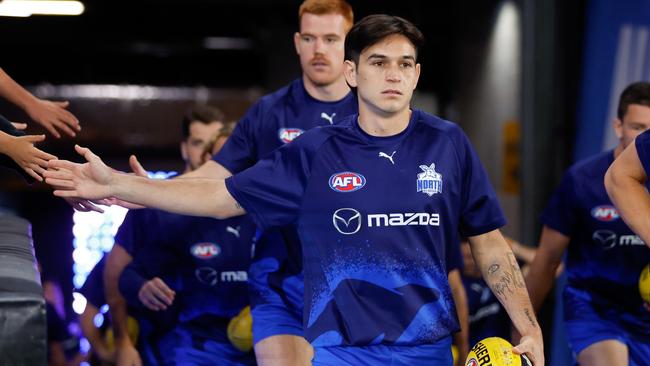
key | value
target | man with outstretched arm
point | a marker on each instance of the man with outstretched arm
(389, 190)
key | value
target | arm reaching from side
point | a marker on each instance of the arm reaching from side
(500, 270)
(94, 180)
(625, 183)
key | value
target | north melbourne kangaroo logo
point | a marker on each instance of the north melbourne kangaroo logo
(430, 181)
(329, 119)
(389, 157)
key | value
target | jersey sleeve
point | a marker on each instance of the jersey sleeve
(480, 211)
(272, 190)
(642, 144)
(93, 288)
(240, 152)
(559, 214)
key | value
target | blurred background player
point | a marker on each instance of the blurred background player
(605, 319)
(198, 125)
(626, 182)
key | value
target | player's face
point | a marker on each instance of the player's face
(320, 45)
(386, 75)
(192, 148)
(635, 121)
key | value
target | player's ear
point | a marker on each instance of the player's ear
(618, 127)
(184, 150)
(296, 42)
(417, 76)
(350, 72)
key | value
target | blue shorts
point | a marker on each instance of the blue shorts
(198, 342)
(276, 290)
(438, 354)
(585, 325)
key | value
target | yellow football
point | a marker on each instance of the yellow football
(495, 351)
(644, 284)
(240, 330)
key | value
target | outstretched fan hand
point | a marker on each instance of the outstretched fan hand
(90, 180)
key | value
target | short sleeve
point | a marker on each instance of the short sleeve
(240, 152)
(642, 144)
(559, 214)
(271, 191)
(480, 211)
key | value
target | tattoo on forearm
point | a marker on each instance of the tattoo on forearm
(493, 268)
(514, 268)
(531, 319)
(503, 285)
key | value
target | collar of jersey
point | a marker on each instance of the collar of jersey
(386, 140)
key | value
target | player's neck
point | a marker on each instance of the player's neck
(327, 93)
(375, 123)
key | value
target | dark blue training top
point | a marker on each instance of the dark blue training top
(377, 218)
(203, 259)
(605, 257)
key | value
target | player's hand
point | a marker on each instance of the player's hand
(139, 171)
(19, 126)
(156, 295)
(127, 355)
(53, 116)
(21, 149)
(91, 180)
(533, 347)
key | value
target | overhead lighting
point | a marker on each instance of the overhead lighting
(25, 8)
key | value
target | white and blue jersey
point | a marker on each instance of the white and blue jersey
(378, 219)
(604, 257)
(205, 261)
(276, 286)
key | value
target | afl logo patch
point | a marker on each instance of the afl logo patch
(472, 362)
(347, 182)
(287, 135)
(205, 250)
(605, 213)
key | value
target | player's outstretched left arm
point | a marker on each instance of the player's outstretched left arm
(500, 270)
(94, 180)
(625, 183)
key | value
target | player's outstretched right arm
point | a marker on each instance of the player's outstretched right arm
(625, 183)
(94, 181)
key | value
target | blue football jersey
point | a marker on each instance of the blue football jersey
(204, 260)
(604, 258)
(93, 288)
(642, 143)
(275, 120)
(377, 218)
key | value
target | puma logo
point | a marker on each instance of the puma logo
(330, 119)
(389, 157)
(233, 231)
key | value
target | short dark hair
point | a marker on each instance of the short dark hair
(200, 113)
(373, 28)
(635, 93)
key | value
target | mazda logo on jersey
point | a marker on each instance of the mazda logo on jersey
(207, 276)
(205, 250)
(347, 181)
(287, 135)
(605, 213)
(606, 238)
(347, 221)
